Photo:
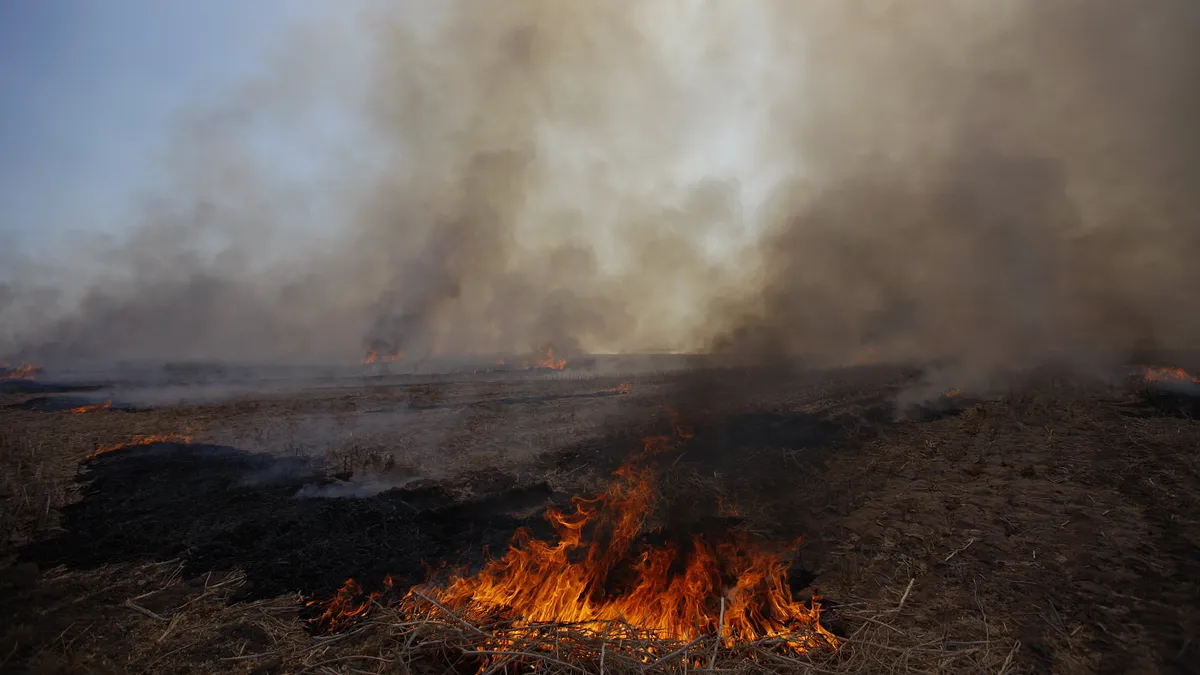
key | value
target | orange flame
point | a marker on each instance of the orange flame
(149, 439)
(952, 393)
(348, 605)
(550, 362)
(374, 356)
(598, 573)
(91, 408)
(623, 388)
(23, 371)
(1165, 374)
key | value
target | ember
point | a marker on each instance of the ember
(150, 439)
(91, 408)
(600, 573)
(23, 371)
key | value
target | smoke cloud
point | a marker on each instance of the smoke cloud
(991, 184)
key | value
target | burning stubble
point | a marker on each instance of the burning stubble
(988, 186)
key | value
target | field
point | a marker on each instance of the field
(1053, 526)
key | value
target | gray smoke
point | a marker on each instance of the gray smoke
(995, 185)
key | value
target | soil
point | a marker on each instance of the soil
(1055, 526)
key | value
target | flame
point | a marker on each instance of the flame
(550, 362)
(23, 371)
(91, 408)
(374, 356)
(599, 572)
(623, 388)
(952, 393)
(1166, 374)
(348, 605)
(139, 439)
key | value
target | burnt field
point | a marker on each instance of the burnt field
(1052, 526)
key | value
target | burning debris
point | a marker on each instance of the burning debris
(602, 576)
(137, 440)
(22, 371)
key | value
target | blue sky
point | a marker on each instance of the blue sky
(89, 90)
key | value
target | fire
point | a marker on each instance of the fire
(91, 408)
(23, 371)
(1165, 374)
(549, 361)
(623, 388)
(373, 356)
(952, 393)
(149, 439)
(348, 605)
(599, 572)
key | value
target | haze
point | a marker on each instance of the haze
(996, 184)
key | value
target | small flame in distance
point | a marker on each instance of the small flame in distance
(598, 572)
(22, 371)
(549, 361)
(149, 439)
(1165, 374)
(91, 408)
(373, 356)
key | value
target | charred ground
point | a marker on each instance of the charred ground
(1050, 528)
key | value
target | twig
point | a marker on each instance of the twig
(957, 551)
(1008, 659)
(533, 655)
(142, 610)
(246, 656)
(907, 590)
(672, 654)
(717, 645)
(451, 614)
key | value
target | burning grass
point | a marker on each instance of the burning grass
(148, 439)
(600, 584)
(22, 371)
(1168, 375)
(80, 410)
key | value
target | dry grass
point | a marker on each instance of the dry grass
(164, 624)
(1036, 524)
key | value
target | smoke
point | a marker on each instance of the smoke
(993, 185)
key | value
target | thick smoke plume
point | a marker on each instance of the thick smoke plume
(992, 184)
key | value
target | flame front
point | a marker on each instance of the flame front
(1166, 374)
(724, 586)
(91, 408)
(149, 439)
(549, 361)
(599, 571)
(23, 371)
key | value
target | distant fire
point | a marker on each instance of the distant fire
(952, 393)
(601, 573)
(549, 361)
(623, 388)
(373, 356)
(91, 408)
(1168, 375)
(149, 439)
(22, 371)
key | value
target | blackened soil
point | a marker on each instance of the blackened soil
(218, 508)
